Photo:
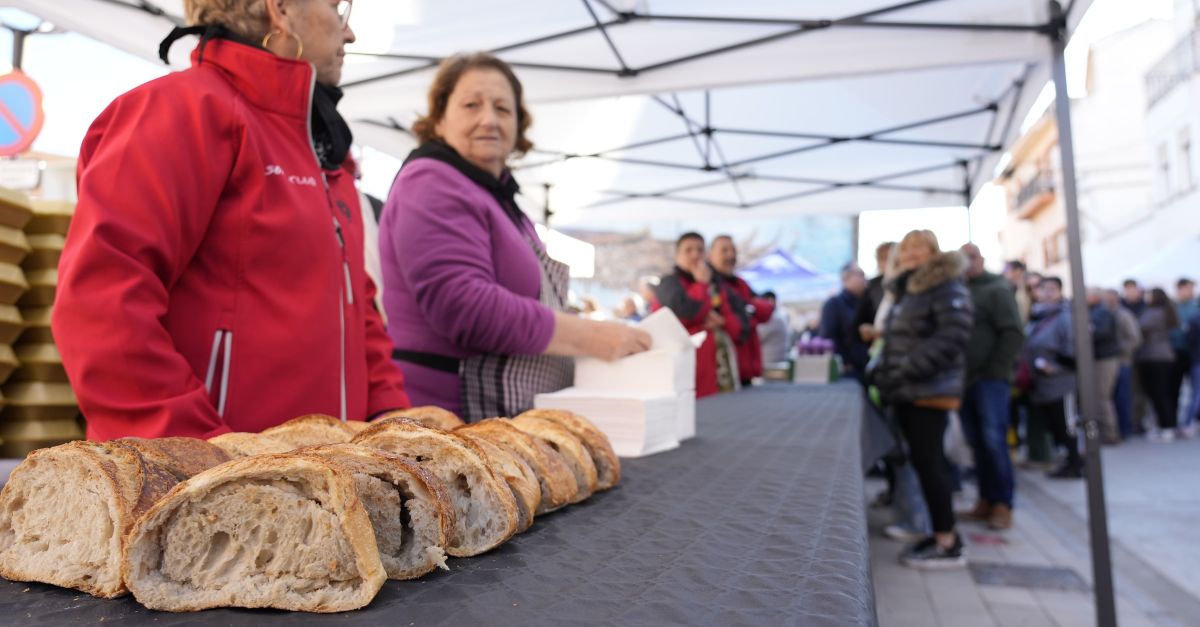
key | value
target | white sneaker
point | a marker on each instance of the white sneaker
(1161, 436)
(896, 532)
(1187, 432)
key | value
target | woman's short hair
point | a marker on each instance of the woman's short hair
(247, 18)
(921, 236)
(448, 75)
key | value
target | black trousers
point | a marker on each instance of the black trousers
(924, 429)
(1054, 416)
(1157, 383)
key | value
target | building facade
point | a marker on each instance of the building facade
(1134, 138)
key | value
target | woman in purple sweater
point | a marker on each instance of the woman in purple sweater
(474, 304)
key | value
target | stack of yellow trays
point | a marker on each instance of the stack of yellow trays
(40, 407)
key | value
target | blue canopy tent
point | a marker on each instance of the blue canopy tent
(791, 279)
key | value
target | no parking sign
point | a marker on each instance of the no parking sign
(21, 114)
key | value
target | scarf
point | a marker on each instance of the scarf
(503, 189)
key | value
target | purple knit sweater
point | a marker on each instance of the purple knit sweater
(459, 279)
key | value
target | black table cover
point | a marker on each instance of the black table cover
(757, 521)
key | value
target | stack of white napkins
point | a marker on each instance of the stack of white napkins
(644, 403)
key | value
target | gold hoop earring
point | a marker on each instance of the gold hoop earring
(299, 44)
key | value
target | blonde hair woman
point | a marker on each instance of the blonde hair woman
(920, 373)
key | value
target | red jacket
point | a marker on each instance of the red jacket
(691, 301)
(749, 347)
(212, 279)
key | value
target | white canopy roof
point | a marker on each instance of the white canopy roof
(670, 107)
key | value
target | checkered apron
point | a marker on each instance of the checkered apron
(504, 385)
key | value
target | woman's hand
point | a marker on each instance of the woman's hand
(574, 337)
(868, 332)
(701, 272)
(614, 340)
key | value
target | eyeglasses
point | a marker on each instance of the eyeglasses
(343, 10)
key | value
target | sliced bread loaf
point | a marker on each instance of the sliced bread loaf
(485, 510)
(555, 479)
(183, 457)
(565, 442)
(311, 430)
(65, 510)
(410, 509)
(281, 531)
(608, 465)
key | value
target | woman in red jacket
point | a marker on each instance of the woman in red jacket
(692, 295)
(213, 279)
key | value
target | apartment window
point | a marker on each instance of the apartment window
(1185, 164)
(1163, 172)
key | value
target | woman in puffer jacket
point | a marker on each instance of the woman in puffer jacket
(920, 373)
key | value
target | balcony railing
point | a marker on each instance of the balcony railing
(1032, 191)
(1174, 69)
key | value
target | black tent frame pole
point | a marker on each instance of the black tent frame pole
(1089, 398)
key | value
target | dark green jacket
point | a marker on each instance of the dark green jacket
(997, 337)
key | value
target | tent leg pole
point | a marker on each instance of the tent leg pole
(1102, 583)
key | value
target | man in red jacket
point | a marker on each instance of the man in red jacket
(749, 309)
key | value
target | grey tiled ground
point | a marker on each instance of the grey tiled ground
(1153, 494)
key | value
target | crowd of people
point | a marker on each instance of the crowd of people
(936, 333)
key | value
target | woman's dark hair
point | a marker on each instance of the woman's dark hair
(687, 236)
(1159, 298)
(448, 75)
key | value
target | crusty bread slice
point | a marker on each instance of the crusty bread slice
(65, 510)
(485, 510)
(516, 474)
(182, 457)
(242, 444)
(565, 442)
(608, 465)
(311, 430)
(281, 531)
(410, 509)
(428, 415)
(554, 476)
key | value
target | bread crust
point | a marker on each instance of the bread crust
(242, 444)
(565, 442)
(182, 457)
(356, 458)
(428, 415)
(328, 478)
(311, 430)
(557, 482)
(608, 465)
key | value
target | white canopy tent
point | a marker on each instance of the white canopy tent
(692, 107)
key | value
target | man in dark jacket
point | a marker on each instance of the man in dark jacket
(1107, 352)
(837, 322)
(996, 340)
